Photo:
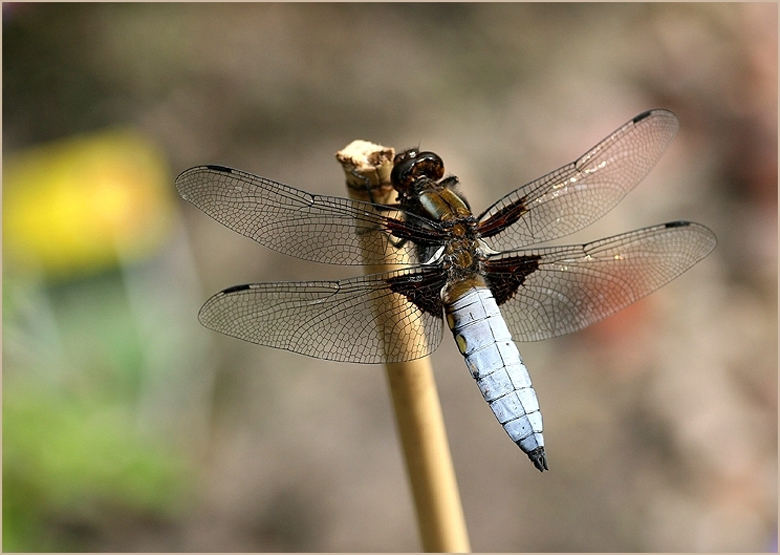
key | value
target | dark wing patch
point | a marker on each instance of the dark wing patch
(423, 289)
(504, 275)
(503, 217)
(369, 319)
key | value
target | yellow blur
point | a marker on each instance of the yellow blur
(79, 204)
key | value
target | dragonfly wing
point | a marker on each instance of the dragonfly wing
(313, 227)
(557, 290)
(388, 317)
(574, 196)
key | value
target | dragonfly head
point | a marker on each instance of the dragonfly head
(411, 165)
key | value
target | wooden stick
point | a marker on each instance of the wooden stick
(415, 399)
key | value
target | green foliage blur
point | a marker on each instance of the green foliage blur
(74, 452)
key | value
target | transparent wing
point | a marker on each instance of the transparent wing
(553, 291)
(313, 227)
(574, 196)
(388, 317)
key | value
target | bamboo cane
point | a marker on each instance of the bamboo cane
(418, 413)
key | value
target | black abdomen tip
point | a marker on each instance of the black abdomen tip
(539, 458)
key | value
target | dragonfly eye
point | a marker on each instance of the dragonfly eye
(410, 165)
(405, 155)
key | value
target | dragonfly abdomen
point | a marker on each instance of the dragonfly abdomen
(494, 361)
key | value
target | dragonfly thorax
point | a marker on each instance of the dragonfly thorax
(462, 258)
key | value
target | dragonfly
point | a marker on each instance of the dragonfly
(489, 276)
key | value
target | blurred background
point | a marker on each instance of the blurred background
(128, 427)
